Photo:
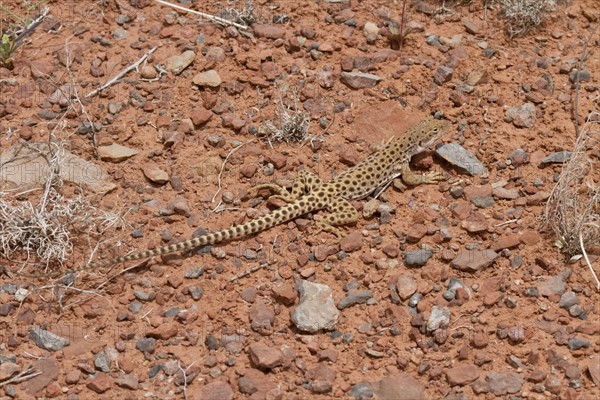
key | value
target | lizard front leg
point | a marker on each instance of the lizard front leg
(415, 178)
(305, 182)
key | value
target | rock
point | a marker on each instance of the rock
(316, 310)
(442, 75)
(558, 157)
(285, 293)
(217, 390)
(523, 116)
(462, 374)
(567, 300)
(261, 318)
(474, 260)
(361, 391)
(578, 343)
(352, 242)
(153, 172)
(200, 116)
(264, 356)
(268, 31)
(417, 258)
(370, 28)
(406, 285)
(552, 285)
(593, 367)
(416, 233)
(7, 370)
(116, 153)
(320, 379)
(359, 80)
(506, 242)
(438, 318)
(354, 297)
(505, 194)
(176, 64)
(470, 26)
(47, 340)
(399, 387)
(208, 78)
(33, 159)
(127, 381)
(502, 383)
(99, 383)
(518, 157)
(475, 223)
(50, 371)
(461, 158)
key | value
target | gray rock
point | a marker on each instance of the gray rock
(417, 258)
(502, 383)
(461, 158)
(443, 75)
(116, 153)
(316, 310)
(102, 362)
(361, 391)
(578, 343)
(523, 116)
(208, 78)
(176, 64)
(568, 299)
(47, 340)
(456, 283)
(355, 297)
(359, 80)
(439, 318)
(552, 285)
(558, 157)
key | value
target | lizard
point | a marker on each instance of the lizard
(309, 193)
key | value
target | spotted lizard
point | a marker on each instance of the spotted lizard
(310, 194)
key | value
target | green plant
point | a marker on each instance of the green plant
(13, 37)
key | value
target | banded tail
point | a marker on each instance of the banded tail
(298, 207)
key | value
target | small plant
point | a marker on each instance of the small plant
(12, 39)
(524, 15)
(291, 124)
(396, 36)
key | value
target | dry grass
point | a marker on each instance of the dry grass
(290, 125)
(573, 209)
(524, 15)
(45, 228)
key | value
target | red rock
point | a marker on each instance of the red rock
(506, 242)
(269, 31)
(492, 298)
(217, 390)
(265, 356)
(530, 237)
(399, 387)
(476, 223)
(100, 383)
(163, 331)
(352, 242)
(416, 233)
(321, 379)
(461, 209)
(285, 293)
(462, 374)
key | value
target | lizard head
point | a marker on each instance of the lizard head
(429, 131)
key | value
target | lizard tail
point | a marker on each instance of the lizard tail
(284, 214)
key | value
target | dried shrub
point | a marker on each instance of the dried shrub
(47, 227)
(573, 208)
(524, 15)
(291, 124)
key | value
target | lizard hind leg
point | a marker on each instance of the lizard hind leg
(342, 212)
